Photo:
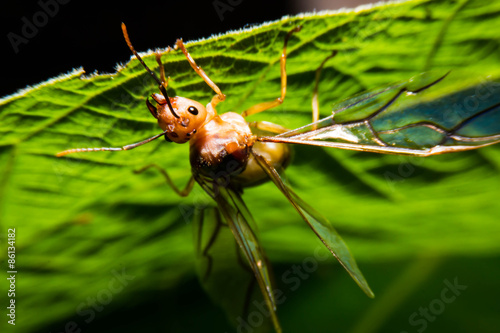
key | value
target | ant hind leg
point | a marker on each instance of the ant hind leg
(267, 126)
(315, 104)
(183, 193)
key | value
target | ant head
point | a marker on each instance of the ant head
(182, 124)
(179, 117)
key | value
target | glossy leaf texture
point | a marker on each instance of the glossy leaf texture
(85, 218)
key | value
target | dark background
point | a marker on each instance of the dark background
(87, 33)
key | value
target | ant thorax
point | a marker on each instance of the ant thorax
(222, 146)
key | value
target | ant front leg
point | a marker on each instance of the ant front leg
(164, 80)
(220, 97)
(183, 193)
(271, 104)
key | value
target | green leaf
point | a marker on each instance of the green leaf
(84, 219)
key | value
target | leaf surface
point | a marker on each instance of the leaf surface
(81, 219)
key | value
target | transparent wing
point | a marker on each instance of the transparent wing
(223, 270)
(323, 229)
(239, 219)
(427, 115)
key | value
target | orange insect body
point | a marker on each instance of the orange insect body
(217, 143)
(225, 157)
(222, 144)
(191, 115)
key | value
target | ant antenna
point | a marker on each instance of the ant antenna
(160, 83)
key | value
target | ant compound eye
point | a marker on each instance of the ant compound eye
(193, 110)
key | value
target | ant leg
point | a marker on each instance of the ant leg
(161, 85)
(183, 193)
(220, 97)
(202, 228)
(315, 104)
(268, 127)
(158, 55)
(271, 104)
(127, 147)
